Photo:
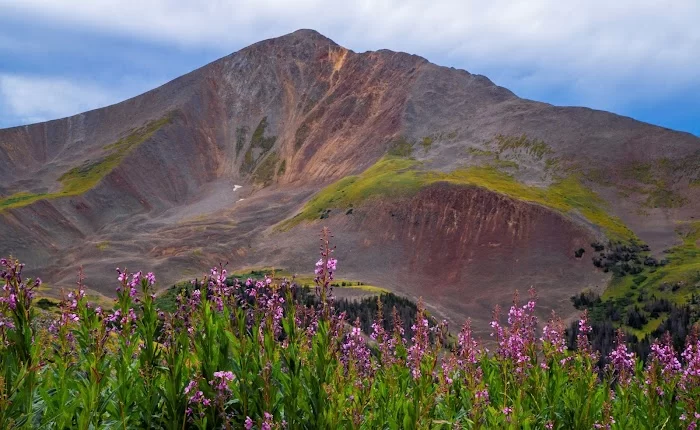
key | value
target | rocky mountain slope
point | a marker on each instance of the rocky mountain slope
(436, 182)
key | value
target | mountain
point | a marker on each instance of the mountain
(435, 182)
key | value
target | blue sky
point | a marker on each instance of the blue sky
(637, 58)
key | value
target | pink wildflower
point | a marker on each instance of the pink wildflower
(621, 361)
(354, 351)
(420, 342)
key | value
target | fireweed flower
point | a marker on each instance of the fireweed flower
(122, 276)
(663, 357)
(583, 345)
(222, 390)
(397, 333)
(218, 302)
(516, 342)
(221, 381)
(331, 266)
(151, 278)
(552, 338)
(307, 318)
(115, 317)
(135, 279)
(337, 324)
(621, 361)
(449, 369)
(199, 398)
(507, 411)
(6, 323)
(218, 289)
(196, 298)
(326, 265)
(15, 291)
(275, 312)
(196, 398)
(267, 423)
(467, 359)
(191, 386)
(690, 377)
(468, 352)
(482, 397)
(354, 351)
(379, 335)
(420, 342)
(69, 309)
(378, 332)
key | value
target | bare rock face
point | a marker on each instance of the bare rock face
(151, 183)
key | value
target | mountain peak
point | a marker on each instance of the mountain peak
(307, 33)
(301, 36)
(302, 44)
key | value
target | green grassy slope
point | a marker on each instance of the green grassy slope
(82, 178)
(399, 176)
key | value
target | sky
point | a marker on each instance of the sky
(639, 58)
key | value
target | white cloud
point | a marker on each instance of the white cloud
(28, 99)
(595, 48)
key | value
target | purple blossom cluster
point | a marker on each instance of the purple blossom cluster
(420, 342)
(130, 284)
(583, 345)
(221, 382)
(273, 306)
(690, 377)
(69, 311)
(354, 351)
(553, 336)
(331, 266)
(468, 351)
(16, 292)
(664, 356)
(385, 341)
(468, 354)
(516, 342)
(622, 361)
(196, 399)
(16, 297)
(268, 423)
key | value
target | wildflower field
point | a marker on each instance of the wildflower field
(250, 354)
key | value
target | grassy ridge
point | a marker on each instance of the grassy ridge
(395, 176)
(566, 195)
(19, 200)
(82, 178)
(389, 176)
